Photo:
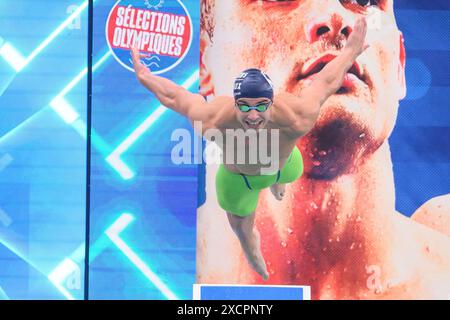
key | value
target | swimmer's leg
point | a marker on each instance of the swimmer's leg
(249, 238)
(291, 171)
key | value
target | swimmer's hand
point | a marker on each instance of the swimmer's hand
(356, 41)
(139, 68)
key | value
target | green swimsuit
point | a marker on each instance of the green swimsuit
(239, 193)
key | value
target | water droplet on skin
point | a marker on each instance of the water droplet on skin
(352, 246)
(290, 231)
(311, 155)
(358, 219)
(283, 244)
(338, 239)
(306, 233)
(324, 249)
(314, 205)
(289, 262)
(360, 245)
(330, 240)
(322, 153)
(349, 215)
(378, 290)
(362, 135)
(271, 271)
(345, 269)
(316, 163)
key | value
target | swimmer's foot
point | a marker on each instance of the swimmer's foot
(278, 191)
(254, 255)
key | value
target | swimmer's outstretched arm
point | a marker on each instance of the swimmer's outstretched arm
(175, 97)
(331, 77)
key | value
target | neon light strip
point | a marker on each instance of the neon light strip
(57, 31)
(121, 167)
(113, 233)
(5, 160)
(16, 59)
(29, 262)
(61, 106)
(60, 273)
(70, 264)
(81, 75)
(64, 110)
(13, 57)
(3, 295)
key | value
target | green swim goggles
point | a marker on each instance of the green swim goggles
(260, 107)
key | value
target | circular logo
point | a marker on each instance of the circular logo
(161, 28)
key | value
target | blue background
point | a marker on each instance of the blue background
(43, 154)
(420, 140)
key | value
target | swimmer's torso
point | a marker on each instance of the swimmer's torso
(249, 151)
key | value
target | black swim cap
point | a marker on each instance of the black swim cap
(253, 83)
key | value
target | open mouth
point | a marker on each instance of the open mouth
(314, 66)
(253, 124)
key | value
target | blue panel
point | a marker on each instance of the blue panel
(251, 293)
(419, 142)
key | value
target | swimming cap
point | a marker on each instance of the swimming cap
(253, 83)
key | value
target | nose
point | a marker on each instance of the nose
(253, 115)
(331, 26)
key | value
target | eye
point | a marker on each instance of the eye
(364, 3)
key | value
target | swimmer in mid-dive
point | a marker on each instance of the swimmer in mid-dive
(256, 108)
